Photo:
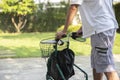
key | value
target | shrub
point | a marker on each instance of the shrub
(117, 13)
(46, 20)
(43, 20)
(71, 28)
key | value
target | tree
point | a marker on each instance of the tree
(18, 10)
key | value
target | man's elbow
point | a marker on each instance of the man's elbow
(74, 7)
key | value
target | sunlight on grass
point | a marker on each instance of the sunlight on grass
(27, 44)
(80, 47)
(24, 45)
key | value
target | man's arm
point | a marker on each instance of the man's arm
(70, 15)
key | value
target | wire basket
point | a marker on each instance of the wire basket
(46, 47)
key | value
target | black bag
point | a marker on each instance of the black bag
(65, 60)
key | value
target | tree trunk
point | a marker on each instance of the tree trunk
(21, 23)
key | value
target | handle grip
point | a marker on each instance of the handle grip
(74, 35)
(77, 37)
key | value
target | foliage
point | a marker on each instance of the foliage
(117, 13)
(5, 23)
(48, 19)
(18, 7)
(17, 11)
(42, 20)
(71, 28)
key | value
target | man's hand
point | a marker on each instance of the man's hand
(60, 34)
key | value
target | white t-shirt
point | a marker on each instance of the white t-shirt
(97, 16)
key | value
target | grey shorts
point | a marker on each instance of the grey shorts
(101, 53)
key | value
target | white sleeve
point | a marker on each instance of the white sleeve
(76, 2)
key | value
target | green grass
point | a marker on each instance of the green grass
(27, 44)
(23, 45)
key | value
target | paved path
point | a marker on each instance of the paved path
(35, 68)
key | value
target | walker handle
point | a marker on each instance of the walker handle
(59, 41)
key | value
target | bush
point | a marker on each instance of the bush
(117, 13)
(71, 28)
(40, 21)
(46, 20)
(5, 22)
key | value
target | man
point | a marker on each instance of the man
(98, 23)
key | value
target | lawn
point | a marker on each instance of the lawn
(27, 44)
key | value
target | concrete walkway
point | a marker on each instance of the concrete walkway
(35, 68)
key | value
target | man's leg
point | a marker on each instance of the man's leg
(102, 58)
(97, 76)
(112, 75)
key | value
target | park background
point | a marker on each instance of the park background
(23, 23)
